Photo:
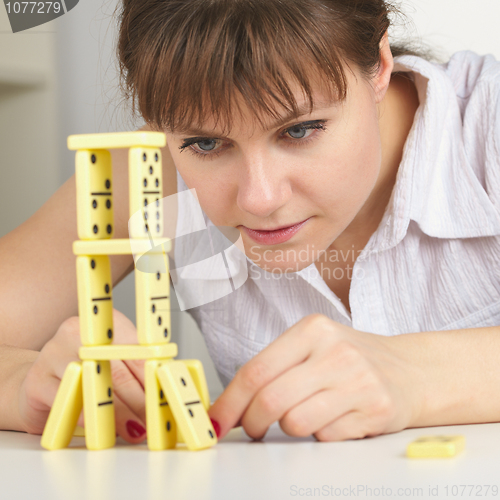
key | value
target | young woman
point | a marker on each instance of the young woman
(365, 183)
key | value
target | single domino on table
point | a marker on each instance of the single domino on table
(435, 446)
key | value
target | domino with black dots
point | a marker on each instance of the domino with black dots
(94, 194)
(98, 405)
(145, 192)
(95, 299)
(186, 405)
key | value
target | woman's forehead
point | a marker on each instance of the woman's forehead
(246, 115)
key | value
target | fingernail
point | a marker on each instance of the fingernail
(216, 426)
(135, 429)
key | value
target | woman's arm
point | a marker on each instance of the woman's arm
(460, 373)
(323, 378)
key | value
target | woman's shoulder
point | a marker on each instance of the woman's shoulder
(477, 84)
(476, 80)
(473, 73)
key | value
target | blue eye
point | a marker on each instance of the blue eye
(206, 147)
(207, 144)
(297, 132)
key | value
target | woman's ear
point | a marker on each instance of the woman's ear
(381, 80)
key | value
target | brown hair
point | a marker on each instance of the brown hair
(181, 60)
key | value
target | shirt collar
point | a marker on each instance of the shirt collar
(435, 185)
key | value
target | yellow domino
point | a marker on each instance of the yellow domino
(185, 403)
(94, 194)
(145, 192)
(160, 422)
(435, 447)
(152, 298)
(121, 246)
(65, 411)
(133, 351)
(98, 406)
(117, 140)
(197, 373)
(95, 301)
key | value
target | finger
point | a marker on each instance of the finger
(128, 389)
(288, 350)
(56, 355)
(352, 425)
(317, 412)
(125, 331)
(35, 405)
(288, 390)
(136, 368)
(128, 425)
(323, 370)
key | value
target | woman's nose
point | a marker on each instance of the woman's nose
(263, 186)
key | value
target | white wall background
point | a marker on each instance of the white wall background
(87, 101)
(28, 104)
(456, 24)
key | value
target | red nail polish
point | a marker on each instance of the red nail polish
(216, 426)
(135, 429)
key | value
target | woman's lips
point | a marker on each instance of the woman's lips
(276, 236)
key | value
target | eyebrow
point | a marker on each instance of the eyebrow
(302, 109)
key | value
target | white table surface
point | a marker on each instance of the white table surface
(236, 468)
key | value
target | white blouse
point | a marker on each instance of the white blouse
(434, 261)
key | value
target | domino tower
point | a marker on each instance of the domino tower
(176, 391)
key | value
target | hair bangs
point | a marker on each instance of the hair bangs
(208, 58)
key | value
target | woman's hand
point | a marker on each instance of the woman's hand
(323, 378)
(39, 388)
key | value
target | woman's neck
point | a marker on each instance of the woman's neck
(396, 115)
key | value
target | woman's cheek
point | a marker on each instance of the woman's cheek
(365, 158)
(216, 203)
(212, 192)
